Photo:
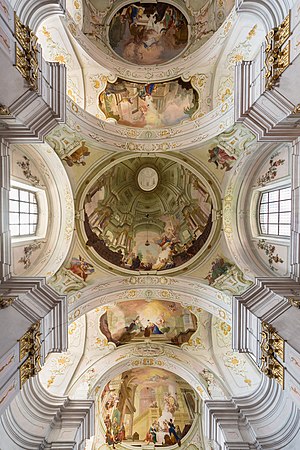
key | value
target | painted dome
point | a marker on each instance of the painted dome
(147, 214)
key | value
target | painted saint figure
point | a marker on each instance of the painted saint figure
(172, 431)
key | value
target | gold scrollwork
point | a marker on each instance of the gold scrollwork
(26, 371)
(30, 349)
(5, 302)
(4, 111)
(283, 31)
(294, 301)
(27, 55)
(272, 347)
(277, 54)
(296, 110)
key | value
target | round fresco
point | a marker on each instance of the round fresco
(141, 229)
(146, 406)
(148, 33)
(149, 105)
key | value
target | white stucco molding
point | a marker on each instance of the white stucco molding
(295, 223)
(33, 301)
(112, 137)
(183, 289)
(268, 114)
(37, 419)
(265, 419)
(271, 12)
(270, 109)
(268, 301)
(33, 12)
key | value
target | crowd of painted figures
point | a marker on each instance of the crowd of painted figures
(168, 434)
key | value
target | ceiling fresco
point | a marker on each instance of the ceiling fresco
(147, 405)
(150, 147)
(148, 33)
(149, 105)
(140, 229)
(142, 321)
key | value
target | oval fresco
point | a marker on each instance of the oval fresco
(143, 230)
(150, 105)
(146, 406)
(148, 33)
(141, 321)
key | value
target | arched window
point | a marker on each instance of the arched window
(23, 212)
(275, 212)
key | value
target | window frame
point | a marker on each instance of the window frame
(278, 212)
(42, 213)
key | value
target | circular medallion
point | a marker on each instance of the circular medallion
(147, 179)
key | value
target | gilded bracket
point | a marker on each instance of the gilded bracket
(27, 55)
(272, 348)
(294, 301)
(277, 52)
(5, 302)
(30, 349)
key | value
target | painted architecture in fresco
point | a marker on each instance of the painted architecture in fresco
(156, 232)
(141, 404)
(148, 33)
(140, 321)
(149, 105)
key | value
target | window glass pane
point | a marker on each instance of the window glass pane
(273, 229)
(264, 198)
(32, 197)
(24, 207)
(284, 230)
(14, 218)
(273, 207)
(33, 218)
(32, 229)
(24, 218)
(264, 228)
(264, 218)
(14, 194)
(24, 196)
(285, 205)
(285, 194)
(14, 229)
(273, 196)
(24, 229)
(273, 218)
(13, 205)
(33, 208)
(285, 218)
(264, 208)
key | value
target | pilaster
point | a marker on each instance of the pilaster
(295, 225)
(33, 302)
(39, 420)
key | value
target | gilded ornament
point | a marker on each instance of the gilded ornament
(272, 348)
(277, 52)
(4, 110)
(30, 349)
(5, 302)
(27, 55)
(296, 110)
(294, 301)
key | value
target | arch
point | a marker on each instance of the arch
(184, 290)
